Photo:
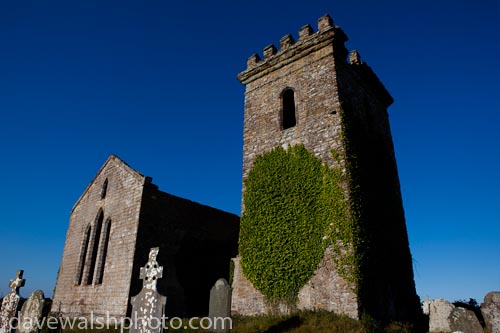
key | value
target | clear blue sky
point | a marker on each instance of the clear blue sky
(154, 82)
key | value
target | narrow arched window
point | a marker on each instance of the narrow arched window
(103, 253)
(83, 254)
(94, 247)
(104, 189)
(288, 118)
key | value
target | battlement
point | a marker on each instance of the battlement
(290, 50)
(327, 35)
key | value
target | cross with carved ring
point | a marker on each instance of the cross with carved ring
(152, 271)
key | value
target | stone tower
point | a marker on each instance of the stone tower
(315, 93)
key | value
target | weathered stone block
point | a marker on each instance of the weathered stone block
(220, 306)
(31, 313)
(491, 311)
(444, 317)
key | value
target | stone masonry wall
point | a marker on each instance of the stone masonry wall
(387, 290)
(326, 290)
(308, 68)
(196, 245)
(246, 300)
(122, 205)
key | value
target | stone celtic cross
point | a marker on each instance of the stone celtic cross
(10, 302)
(148, 307)
(152, 271)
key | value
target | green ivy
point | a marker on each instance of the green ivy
(294, 208)
(231, 272)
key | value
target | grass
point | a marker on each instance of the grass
(302, 322)
(306, 322)
(312, 322)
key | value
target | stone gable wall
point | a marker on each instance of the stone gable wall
(122, 205)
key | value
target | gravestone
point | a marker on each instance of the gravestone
(31, 312)
(10, 303)
(220, 306)
(148, 307)
(439, 311)
(491, 311)
(464, 320)
(444, 317)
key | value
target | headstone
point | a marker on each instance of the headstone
(444, 317)
(491, 311)
(463, 320)
(220, 306)
(439, 312)
(31, 313)
(10, 303)
(148, 307)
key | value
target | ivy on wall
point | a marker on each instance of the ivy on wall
(294, 208)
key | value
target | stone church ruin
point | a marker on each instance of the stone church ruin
(311, 93)
(112, 227)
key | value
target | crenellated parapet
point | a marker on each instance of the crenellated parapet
(291, 50)
(309, 41)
